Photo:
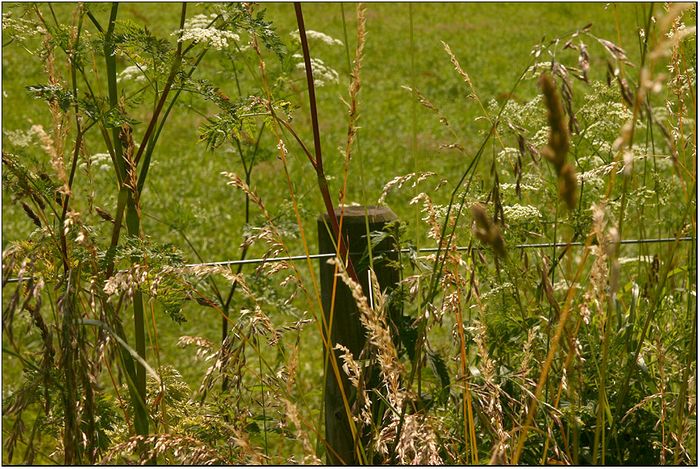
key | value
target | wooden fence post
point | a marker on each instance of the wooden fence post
(346, 328)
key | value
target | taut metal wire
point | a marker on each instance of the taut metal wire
(263, 260)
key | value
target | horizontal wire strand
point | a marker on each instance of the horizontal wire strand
(405, 250)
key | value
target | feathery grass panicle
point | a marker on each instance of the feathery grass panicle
(293, 416)
(399, 181)
(356, 82)
(235, 180)
(379, 337)
(434, 229)
(558, 144)
(418, 444)
(460, 70)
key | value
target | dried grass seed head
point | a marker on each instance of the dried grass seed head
(558, 144)
(487, 231)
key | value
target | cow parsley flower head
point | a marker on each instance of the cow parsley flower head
(19, 138)
(521, 213)
(133, 72)
(197, 29)
(323, 37)
(101, 160)
(322, 73)
(20, 28)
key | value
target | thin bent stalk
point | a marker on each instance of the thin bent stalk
(467, 410)
(128, 201)
(317, 162)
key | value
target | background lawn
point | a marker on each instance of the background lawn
(188, 204)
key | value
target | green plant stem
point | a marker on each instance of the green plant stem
(137, 397)
(152, 142)
(602, 404)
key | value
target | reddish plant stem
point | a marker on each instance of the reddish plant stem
(317, 162)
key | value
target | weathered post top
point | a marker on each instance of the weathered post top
(356, 214)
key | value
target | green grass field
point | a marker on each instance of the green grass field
(185, 187)
(187, 203)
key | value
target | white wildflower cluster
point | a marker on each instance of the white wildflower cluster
(101, 160)
(323, 37)
(20, 28)
(507, 155)
(507, 186)
(521, 213)
(126, 281)
(541, 137)
(529, 182)
(618, 111)
(604, 147)
(322, 73)
(20, 138)
(133, 72)
(197, 30)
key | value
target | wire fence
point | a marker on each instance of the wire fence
(329, 255)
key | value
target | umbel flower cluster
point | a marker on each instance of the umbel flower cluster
(198, 29)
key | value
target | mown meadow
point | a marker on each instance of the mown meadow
(545, 152)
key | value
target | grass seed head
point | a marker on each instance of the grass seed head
(568, 185)
(487, 231)
(558, 145)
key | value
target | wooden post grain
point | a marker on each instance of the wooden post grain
(346, 328)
